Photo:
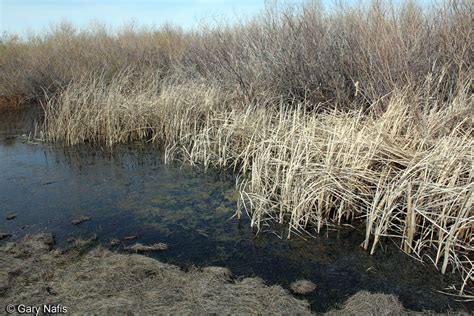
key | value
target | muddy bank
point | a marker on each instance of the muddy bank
(85, 279)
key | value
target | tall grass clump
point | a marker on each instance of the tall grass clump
(358, 114)
(403, 169)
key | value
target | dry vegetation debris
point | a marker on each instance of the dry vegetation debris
(81, 219)
(102, 282)
(302, 287)
(147, 248)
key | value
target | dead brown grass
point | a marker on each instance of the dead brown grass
(106, 283)
(90, 280)
(365, 303)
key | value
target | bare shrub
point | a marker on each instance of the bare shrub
(327, 117)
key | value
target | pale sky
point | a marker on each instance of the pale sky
(19, 16)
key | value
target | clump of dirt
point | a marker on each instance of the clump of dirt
(81, 219)
(102, 282)
(302, 287)
(10, 217)
(147, 248)
(366, 303)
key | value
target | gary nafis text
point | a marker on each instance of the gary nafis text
(47, 309)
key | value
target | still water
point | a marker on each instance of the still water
(129, 191)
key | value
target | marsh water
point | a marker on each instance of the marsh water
(129, 191)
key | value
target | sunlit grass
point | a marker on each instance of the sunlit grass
(360, 114)
(404, 170)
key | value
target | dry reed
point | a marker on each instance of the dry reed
(404, 169)
(359, 114)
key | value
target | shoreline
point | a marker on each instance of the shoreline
(88, 279)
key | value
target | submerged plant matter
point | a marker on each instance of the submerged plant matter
(327, 118)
